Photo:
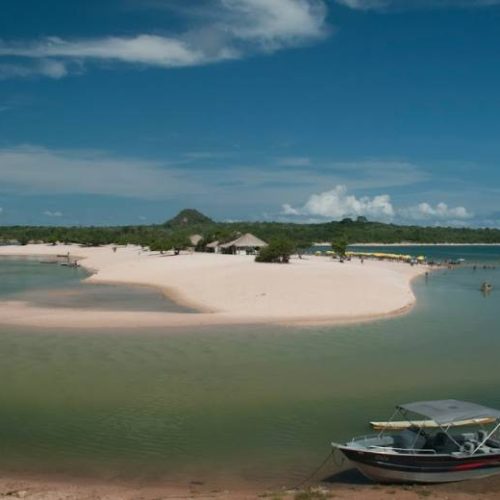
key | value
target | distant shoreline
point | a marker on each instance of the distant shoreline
(408, 244)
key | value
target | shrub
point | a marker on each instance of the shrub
(340, 247)
(278, 251)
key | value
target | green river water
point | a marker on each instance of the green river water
(256, 405)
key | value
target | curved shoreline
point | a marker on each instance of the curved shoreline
(226, 290)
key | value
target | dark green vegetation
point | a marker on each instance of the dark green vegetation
(174, 241)
(279, 250)
(189, 217)
(189, 222)
(340, 247)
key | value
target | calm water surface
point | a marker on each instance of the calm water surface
(247, 404)
(51, 285)
(471, 253)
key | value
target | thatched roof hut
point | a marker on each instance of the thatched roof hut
(248, 243)
(213, 247)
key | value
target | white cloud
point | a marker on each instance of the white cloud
(364, 4)
(53, 69)
(276, 23)
(287, 209)
(36, 170)
(410, 4)
(33, 169)
(145, 49)
(235, 29)
(49, 213)
(44, 67)
(441, 211)
(337, 203)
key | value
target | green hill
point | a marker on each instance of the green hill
(188, 217)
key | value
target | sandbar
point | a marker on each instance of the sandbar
(226, 289)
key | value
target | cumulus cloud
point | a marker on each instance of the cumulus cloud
(337, 203)
(235, 29)
(441, 211)
(276, 23)
(409, 4)
(49, 213)
(287, 209)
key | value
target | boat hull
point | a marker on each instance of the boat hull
(394, 468)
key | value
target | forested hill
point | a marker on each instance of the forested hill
(190, 222)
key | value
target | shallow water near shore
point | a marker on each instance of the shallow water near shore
(47, 283)
(227, 406)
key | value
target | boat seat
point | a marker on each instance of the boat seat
(383, 442)
(467, 436)
(481, 435)
(443, 444)
(410, 439)
(386, 441)
(375, 442)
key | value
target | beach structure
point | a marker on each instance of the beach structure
(213, 247)
(247, 244)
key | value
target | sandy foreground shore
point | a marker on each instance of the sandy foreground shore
(226, 289)
(45, 489)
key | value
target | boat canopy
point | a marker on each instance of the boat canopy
(447, 411)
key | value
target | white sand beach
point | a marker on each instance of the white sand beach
(226, 289)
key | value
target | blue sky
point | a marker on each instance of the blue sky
(126, 111)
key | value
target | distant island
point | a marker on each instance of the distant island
(178, 230)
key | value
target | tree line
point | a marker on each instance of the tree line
(176, 235)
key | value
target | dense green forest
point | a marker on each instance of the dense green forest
(189, 222)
